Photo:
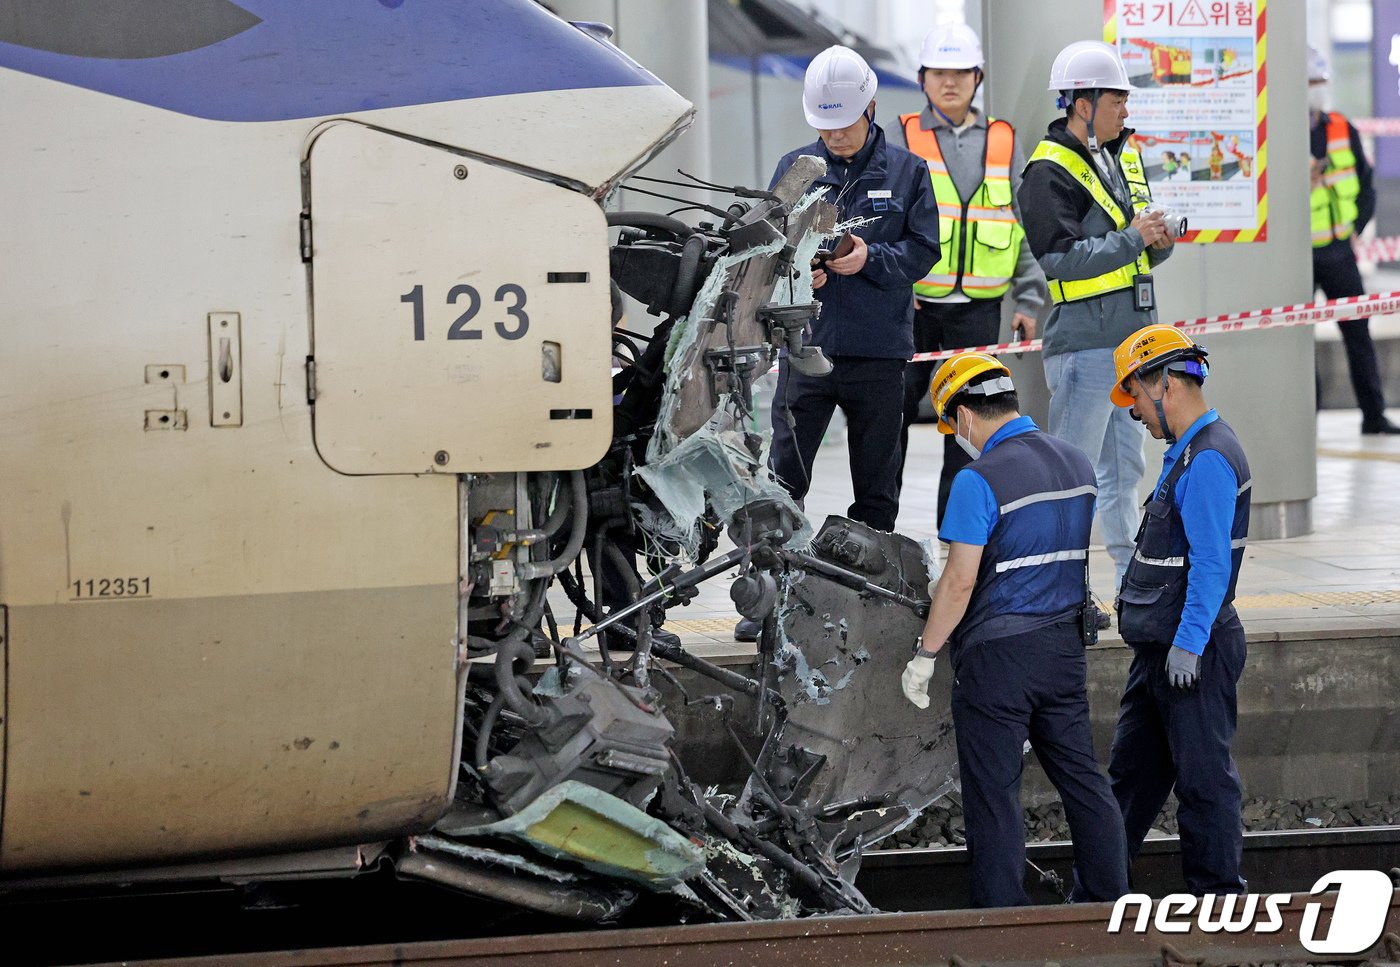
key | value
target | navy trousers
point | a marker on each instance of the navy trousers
(1006, 691)
(1180, 738)
(943, 325)
(870, 392)
(1336, 274)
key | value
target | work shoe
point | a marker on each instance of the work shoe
(1381, 427)
(1103, 620)
(747, 629)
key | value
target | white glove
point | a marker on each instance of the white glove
(915, 680)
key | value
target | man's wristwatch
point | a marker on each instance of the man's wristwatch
(921, 651)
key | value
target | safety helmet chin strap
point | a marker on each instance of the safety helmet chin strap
(1167, 434)
(1093, 112)
(1066, 100)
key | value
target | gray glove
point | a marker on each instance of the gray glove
(1183, 667)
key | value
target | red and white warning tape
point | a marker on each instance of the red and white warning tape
(1378, 127)
(1304, 314)
(1386, 249)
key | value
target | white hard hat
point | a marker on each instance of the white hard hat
(1318, 69)
(838, 88)
(1088, 64)
(952, 47)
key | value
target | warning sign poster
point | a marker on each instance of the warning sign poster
(1199, 106)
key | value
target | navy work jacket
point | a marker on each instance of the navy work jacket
(871, 313)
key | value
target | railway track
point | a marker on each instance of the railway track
(1062, 934)
(1288, 861)
(924, 884)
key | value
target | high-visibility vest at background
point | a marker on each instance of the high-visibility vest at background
(1334, 199)
(1088, 176)
(979, 239)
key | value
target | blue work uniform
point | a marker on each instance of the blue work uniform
(865, 327)
(1018, 661)
(1179, 590)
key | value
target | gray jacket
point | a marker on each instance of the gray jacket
(1074, 239)
(965, 153)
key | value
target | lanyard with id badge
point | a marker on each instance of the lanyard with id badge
(1143, 296)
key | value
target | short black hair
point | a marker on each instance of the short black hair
(985, 407)
(1070, 96)
(1087, 94)
(1153, 377)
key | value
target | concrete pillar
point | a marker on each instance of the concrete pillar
(1262, 383)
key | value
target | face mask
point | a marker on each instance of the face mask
(965, 442)
(1318, 97)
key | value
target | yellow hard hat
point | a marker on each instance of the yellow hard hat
(953, 376)
(1152, 347)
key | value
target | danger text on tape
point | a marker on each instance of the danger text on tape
(1281, 317)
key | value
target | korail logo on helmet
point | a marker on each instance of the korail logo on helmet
(830, 107)
(1358, 914)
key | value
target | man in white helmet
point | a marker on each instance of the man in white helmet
(1083, 201)
(974, 164)
(1343, 199)
(865, 326)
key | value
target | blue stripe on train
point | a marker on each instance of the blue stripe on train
(310, 58)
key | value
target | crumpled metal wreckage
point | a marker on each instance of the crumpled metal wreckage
(576, 798)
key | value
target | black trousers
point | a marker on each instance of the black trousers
(1336, 274)
(1006, 691)
(1172, 738)
(953, 325)
(869, 391)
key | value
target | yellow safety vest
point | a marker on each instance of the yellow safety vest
(1088, 176)
(1334, 199)
(979, 240)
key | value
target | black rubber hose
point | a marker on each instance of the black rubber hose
(508, 682)
(625, 569)
(651, 220)
(687, 276)
(560, 513)
(483, 735)
(578, 488)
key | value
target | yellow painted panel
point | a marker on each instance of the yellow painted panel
(152, 730)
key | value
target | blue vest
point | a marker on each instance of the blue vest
(1154, 587)
(1034, 566)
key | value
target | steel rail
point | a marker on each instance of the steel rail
(1066, 934)
(1286, 861)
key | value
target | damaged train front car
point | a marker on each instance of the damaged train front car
(411, 611)
(576, 793)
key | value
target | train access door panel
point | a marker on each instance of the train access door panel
(460, 312)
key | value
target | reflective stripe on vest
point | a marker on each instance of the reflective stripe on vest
(1152, 595)
(1031, 573)
(1333, 201)
(1087, 175)
(980, 239)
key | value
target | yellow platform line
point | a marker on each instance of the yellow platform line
(1297, 599)
(1245, 602)
(1359, 455)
